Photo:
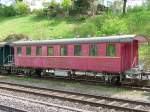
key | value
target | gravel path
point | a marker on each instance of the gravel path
(34, 107)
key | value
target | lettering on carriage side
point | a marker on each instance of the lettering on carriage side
(106, 64)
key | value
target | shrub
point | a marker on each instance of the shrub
(136, 9)
(66, 4)
(7, 11)
(114, 26)
(54, 9)
(15, 37)
(1, 10)
(98, 21)
(85, 30)
(139, 22)
(40, 12)
(22, 8)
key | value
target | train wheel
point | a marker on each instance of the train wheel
(115, 80)
(38, 72)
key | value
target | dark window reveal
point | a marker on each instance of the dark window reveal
(111, 50)
(93, 50)
(28, 51)
(38, 51)
(77, 50)
(50, 51)
(19, 51)
(63, 50)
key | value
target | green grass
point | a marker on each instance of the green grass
(52, 28)
(107, 24)
(64, 84)
(37, 28)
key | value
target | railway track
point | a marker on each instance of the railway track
(10, 109)
(93, 100)
(137, 87)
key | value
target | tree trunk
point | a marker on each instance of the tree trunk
(124, 6)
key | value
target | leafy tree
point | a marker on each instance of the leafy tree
(22, 8)
(66, 4)
(86, 6)
(81, 6)
(53, 4)
(53, 8)
(16, 37)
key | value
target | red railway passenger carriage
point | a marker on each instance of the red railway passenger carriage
(112, 55)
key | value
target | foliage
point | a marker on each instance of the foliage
(40, 12)
(54, 9)
(103, 25)
(81, 6)
(139, 22)
(15, 37)
(137, 9)
(98, 21)
(66, 5)
(53, 4)
(85, 30)
(114, 26)
(37, 28)
(22, 8)
(7, 11)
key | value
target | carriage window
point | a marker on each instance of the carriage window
(50, 51)
(28, 51)
(38, 51)
(63, 50)
(111, 50)
(19, 51)
(77, 50)
(93, 50)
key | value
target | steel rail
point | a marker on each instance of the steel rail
(137, 87)
(78, 97)
(10, 109)
(46, 104)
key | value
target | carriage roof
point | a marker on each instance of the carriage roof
(119, 39)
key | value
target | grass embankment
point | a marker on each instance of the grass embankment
(36, 28)
(106, 24)
(134, 22)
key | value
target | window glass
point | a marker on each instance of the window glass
(111, 50)
(28, 51)
(63, 50)
(77, 50)
(38, 51)
(19, 51)
(50, 51)
(93, 50)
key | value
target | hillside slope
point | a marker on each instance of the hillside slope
(107, 24)
(36, 28)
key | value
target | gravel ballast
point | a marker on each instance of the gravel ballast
(16, 102)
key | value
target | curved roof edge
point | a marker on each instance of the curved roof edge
(118, 38)
(142, 39)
